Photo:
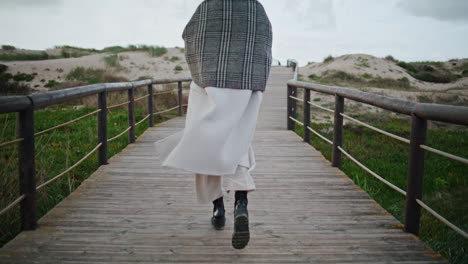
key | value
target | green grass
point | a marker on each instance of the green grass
(445, 182)
(56, 151)
(91, 76)
(429, 71)
(362, 62)
(25, 56)
(112, 60)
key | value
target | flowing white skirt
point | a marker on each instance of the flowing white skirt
(216, 141)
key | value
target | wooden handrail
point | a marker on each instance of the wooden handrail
(25, 106)
(420, 114)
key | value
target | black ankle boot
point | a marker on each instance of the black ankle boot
(241, 235)
(218, 220)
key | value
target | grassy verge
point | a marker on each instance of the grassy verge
(56, 151)
(445, 182)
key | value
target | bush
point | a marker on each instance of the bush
(178, 68)
(23, 77)
(429, 72)
(5, 76)
(391, 58)
(3, 68)
(314, 77)
(111, 60)
(174, 58)
(367, 75)
(88, 75)
(328, 59)
(157, 51)
(8, 47)
(24, 56)
(13, 88)
(114, 49)
(51, 84)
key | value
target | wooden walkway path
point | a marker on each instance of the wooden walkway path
(304, 211)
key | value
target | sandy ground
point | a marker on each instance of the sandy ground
(133, 65)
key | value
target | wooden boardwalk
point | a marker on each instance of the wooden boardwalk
(304, 211)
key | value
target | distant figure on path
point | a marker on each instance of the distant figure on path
(228, 50)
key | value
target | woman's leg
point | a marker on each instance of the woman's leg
(209, 189)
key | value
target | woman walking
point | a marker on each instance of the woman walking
(228, 50)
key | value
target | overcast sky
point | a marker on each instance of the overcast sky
(307, 30)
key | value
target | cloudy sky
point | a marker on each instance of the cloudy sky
(307, 30)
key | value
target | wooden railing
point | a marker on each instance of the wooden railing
(420, 113)
(25, 106)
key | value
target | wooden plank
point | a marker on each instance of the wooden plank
(303, 211)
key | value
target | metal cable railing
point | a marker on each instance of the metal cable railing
(143, 120)
(13, 204)
(376, 129)
(420, 114)
(118, 105)
(119, 135)
(69, 169)
(165, 111)
(320, 136)
(26, 106)
(321, 107)
(8, 143)
(67, 123)
(396, 188)
(445, 154)
(442, 219)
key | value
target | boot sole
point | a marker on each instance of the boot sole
(241, 235)
(218, 222)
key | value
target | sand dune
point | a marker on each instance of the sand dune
(132, 65)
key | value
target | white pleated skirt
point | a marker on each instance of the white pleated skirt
(216, 141)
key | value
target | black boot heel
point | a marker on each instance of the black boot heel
(241, 235)
(218, 220)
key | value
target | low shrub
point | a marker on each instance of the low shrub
(391, 58)
(314, 77)
(328, 59)
(13, 88)
(23, 77)
(3, 68)
(91, 75)
(178, 68)
(8, 47)
(24, 56)
(51, 84)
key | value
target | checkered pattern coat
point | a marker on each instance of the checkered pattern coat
(228, 44)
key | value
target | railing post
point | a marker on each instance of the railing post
(131, 115)
(179, 87)
(306, 120)
(26, 166)
(102, 127)
(337, 131)
(292, 91)
(150, 106)
(415, 174)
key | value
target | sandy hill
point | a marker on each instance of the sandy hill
(363, 65)
(120, 66)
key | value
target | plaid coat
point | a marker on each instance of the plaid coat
(228, 44)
